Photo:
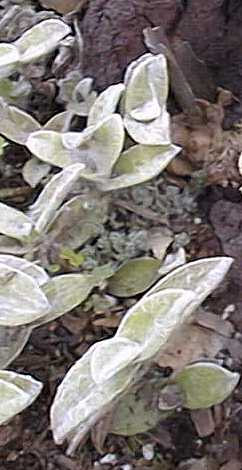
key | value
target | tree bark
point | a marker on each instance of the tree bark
(112, 31)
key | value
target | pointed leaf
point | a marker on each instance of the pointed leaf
(80, 219)
(101, 145)
(133, 277)
(9, 59)
(202, 277)
(138, 164)
(12, 246)
(21, 299)
(173, 261)
(57, 122)
(206, 384)
(147, 87)
(79, 402)
(17, 392)
(34, 171)
(155, 132)
(64, 293)
(21, 264)
(111, 356)
(154, 319)
(41, 39)
(48, 146)
(15, 124)
(14, 223)
(12, 342)
(44, 209)
(105, 104)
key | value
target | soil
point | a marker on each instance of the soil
(112, 33)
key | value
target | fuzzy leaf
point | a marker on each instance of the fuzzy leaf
(97, 146)
(31, 269)
(146, 80)
(173, 261)
(100, 146)
(41, 39)
(21, 299)
(16, 124)
(202, 277)
(145, 115)
(80, 219)
(57, 122)
(79, 402)
(14, 223)
(12, 342)
(140, 163)
(9, 59)
(17, 392)
(43, 210)
(105, 104)
(47, 145)
(206, 384)
(11, 246)
(34, 171)
(153, 320)
(134, 277)
(155, 132)
(111, 356)
(64, 293)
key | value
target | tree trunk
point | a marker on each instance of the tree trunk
(112, 31)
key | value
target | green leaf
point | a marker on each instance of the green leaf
(15, 124)
(155, 132)
(137, 412)
(34, 171)
(57, 122)
(105, 104)
(97, 146)
(206, 384)
(12, 342)
(65, 292)
(12, 246)
(111, 356)
(80, 219)
(79, 402)
(44, 209)
(47, 145)
(138, 164)
(134, 277)
(100, 146)
(14, 223)
(31, 269)
(146, 80)
(154, 319)
(145, 115)
(9, 59)
(201, 276)
(22, 301)
(41, 39)
(17, 392)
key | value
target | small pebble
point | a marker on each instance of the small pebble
(197, 221)
(108, 459)
(227, 311)
(148, 451)
(126, 466)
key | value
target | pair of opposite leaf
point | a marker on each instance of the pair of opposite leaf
(111, 366)
(29, 298)
(83, 215)
(100, 146)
